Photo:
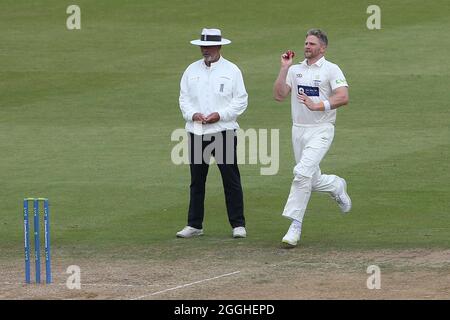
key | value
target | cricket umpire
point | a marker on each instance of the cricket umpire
(212, 96)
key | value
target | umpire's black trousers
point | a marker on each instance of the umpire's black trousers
(222, 146)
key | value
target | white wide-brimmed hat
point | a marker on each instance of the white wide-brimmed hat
(211, 37)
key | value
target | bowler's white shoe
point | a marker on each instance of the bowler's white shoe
(239, 232)
(293, 235)
(342, 198)
(189, 232)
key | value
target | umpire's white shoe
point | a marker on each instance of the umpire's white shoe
(239, 232)
(293, 235)
(342, 198)
(189, 232)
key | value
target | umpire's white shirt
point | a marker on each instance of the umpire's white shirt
(218, 88)
(320, 78)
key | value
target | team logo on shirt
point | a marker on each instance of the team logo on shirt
(317, 80)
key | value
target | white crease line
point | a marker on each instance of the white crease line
(116, 285)
(85, 284)
(186, 285)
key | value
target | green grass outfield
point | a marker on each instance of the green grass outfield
(86, 118)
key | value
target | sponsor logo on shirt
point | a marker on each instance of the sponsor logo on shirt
(309, 91)
(341, 81)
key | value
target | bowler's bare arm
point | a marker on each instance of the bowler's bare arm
(280, 89)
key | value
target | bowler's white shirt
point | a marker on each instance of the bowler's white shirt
(325, 76)
(218, 88)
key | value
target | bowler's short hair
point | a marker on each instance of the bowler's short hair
(319, 34)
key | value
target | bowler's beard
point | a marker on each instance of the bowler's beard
(308, 54)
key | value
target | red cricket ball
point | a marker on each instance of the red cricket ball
(289, 54)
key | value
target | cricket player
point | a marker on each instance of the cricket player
(317, 88)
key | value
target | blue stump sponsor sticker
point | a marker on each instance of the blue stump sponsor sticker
(309, 91)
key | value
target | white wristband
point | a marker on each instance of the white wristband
(326, 105)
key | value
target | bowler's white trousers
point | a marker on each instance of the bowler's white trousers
(310, 143)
